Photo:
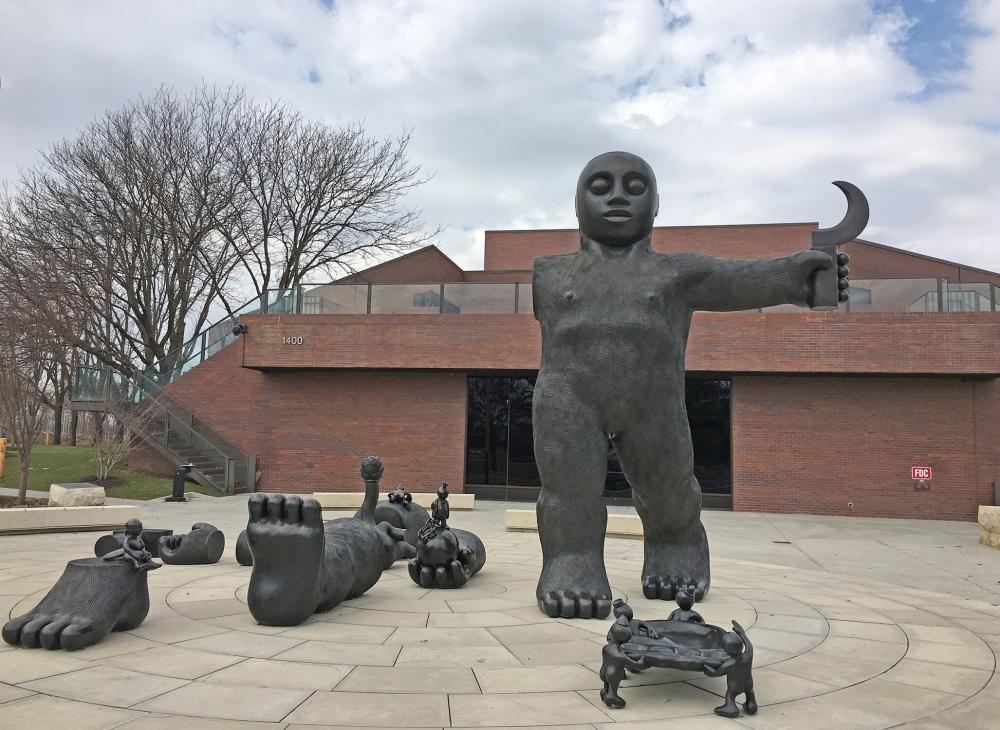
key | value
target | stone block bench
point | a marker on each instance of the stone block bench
(76, 494)
(19, 520)
(989, 526)
(524, 520)
(352, 500)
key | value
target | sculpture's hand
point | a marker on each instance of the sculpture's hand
(809, 264)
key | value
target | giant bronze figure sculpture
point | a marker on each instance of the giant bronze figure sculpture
(615, 317)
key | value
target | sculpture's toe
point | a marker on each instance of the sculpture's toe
(570, 604)
(77, 635)
(257, 505)
(426, 577)
(49, 636)
(30, 631)
(12, 629)
(549, 603)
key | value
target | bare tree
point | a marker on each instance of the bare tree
(24, 386)
(317, 199)
(124, 426)
(126, 214)
(160, 213)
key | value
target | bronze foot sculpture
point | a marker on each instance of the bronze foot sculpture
(202, 546)
(92, 598)
(302, 565)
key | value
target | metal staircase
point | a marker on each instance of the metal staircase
(175, 432)
(171, 428)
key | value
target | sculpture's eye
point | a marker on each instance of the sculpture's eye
(600, 185)
(635, 186)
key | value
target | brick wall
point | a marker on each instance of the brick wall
(310, 429)
(517, 249)
(898, 343)
(813, 444)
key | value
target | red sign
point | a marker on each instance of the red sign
(920, 472)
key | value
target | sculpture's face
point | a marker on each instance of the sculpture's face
(616, 199)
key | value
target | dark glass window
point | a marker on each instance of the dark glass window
(500, 448)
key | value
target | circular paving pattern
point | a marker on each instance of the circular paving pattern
(829, 652)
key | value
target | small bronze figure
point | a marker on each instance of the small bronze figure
(616, 661)
(683, 612)
(133, 550)
(738, 672)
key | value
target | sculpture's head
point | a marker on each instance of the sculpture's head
(620, 630)
(133, 528)
(443, 490)
(732, 643)
(685, 598)
(371, 469)
(616, 199)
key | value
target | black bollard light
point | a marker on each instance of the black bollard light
(180, 474)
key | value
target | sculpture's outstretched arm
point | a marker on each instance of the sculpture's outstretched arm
(724, 285)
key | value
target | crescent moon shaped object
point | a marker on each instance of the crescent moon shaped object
(854, 222)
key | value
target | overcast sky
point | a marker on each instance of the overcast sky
(746, 109)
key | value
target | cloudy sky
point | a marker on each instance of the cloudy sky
(746, 109)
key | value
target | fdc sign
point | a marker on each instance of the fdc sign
(920, 472)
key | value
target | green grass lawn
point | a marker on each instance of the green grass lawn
(74, 463)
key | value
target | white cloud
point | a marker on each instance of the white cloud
(746, 109)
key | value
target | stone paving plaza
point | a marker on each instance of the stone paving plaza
(857, 623)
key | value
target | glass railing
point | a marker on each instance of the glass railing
(867, 295)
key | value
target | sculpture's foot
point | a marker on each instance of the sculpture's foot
(750, 706)
(673, 564)
(611, 699)
(730, 709)
(91, 599)
(576, 587)
(394, 545)
(286, 539)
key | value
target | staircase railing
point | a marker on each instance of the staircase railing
(174, 431)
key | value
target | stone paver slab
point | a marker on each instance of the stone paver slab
(9, 693)
(329, 652)
(457, 656)
(105, 686)
(411, 680)
(173, 661)
(375, 709)
(39, 711)
(274, 673)
(227, 703)
(440, 638)
(944, 677)
(329, 631)
(558, 678)
(24, 665)
(540, 708)
(241, 643)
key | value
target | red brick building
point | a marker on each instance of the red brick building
(431, 367)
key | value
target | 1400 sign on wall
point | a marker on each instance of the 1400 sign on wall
(292, 340)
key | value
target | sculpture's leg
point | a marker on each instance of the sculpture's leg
(729, 708)
(750, 706)
(571, 453)
(92, 598)
(657, 460)
(286, 539)
(612, 673)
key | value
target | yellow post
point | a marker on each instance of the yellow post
(3, 455)
(48, 438)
